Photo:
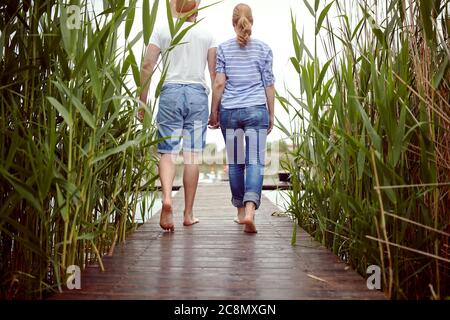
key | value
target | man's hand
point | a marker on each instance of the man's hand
(271, 121)
(213, 122)
(141, 111)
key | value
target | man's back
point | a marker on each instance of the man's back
(187, 61)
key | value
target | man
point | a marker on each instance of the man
(183, 105)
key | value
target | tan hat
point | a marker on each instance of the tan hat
(183, 6)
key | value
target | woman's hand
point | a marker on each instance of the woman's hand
(213, 122)
(271, 122)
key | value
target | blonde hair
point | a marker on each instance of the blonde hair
(184, 6)
(243, 22)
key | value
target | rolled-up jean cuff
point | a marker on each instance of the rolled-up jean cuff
(174, 151)
(253, 197)
(237, 203)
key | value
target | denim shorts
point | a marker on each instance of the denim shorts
(182, 115)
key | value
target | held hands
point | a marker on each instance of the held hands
(141, 111)
(213, 122)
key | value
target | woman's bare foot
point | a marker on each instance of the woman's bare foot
(190, 220)
(249, 219)
(240, 215)
(166, 218)
(249, 222)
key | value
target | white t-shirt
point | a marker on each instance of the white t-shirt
(187, 61)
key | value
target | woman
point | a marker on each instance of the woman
(244, 89)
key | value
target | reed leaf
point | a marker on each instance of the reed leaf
(372, 142)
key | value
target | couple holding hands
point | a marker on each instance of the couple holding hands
(243, 97)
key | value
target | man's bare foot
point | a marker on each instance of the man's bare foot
(240, 216)
(249, 222)
(166, 218)
(190, 220)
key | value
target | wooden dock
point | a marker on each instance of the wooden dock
(215, 259)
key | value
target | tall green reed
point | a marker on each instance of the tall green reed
(74, 160)
(370, 131)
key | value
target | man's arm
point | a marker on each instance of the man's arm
(270, 95)
(212, 64)
(148, 65)
(150, 60)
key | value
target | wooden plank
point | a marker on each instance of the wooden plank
(280, 186)
(215, 259)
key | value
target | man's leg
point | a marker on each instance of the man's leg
(190, 183)
(167, 172)
(170, 121)
(194, 139)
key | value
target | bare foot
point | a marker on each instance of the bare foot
(240, 216)
(190, 220)
(249, 222)
(166, 218)
(249, 219)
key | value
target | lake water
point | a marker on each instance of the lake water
(279, 198)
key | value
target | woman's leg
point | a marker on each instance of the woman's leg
(254, 164)
(255, 150)
(234, 142)
(255, 157)
(240, 215)
(237, 184)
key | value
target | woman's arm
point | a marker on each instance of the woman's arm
(218, 88)
(270, 95)
(269, 84)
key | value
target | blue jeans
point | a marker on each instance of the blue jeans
(182, 114)
(245, 164)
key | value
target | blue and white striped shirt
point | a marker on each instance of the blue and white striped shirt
(248, 71)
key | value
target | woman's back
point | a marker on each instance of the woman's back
(248, 70)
